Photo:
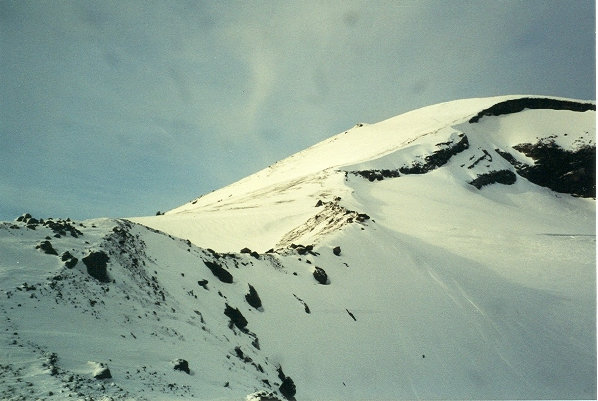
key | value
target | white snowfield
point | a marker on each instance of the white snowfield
(434, 288)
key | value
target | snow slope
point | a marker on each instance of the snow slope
(442, 271)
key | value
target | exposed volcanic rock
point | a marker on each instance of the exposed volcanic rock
(438, 158)
(506, 177)
(219, 271)
(517, 105)
(566, 171)
(96, 263)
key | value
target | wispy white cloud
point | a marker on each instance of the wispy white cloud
(184, 97)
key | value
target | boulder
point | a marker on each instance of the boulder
(46, 247)
(287, 387)
(321, 276)
(182, 365)
(96, 263)
(253, 298)
(101, 371)
(235, 316)
(220, 272)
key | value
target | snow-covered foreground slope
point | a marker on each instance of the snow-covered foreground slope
(436, 255)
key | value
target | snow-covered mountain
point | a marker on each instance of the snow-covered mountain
(448, 252)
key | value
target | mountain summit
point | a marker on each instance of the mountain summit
(523, 142)
(446, 253)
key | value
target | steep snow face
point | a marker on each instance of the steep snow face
(410, 259)
(262, 210)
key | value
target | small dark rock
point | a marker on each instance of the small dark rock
(203, 283)
(361, 217)
(245, 250)
(235, 316)
(300, 249)
(287, 388)
(321, 276)
(69, 260)
(350, 314)
(220, 272)
(47, 247)
(182, 365)
(265, 396)
(253, 298)
(102, 372)
(336, 250)
(69, 264)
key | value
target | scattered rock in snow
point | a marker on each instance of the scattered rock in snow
(336, 250)
(304, 304)
(250, 252)
(100, 371)
(96, 263)
(220, 272)
(287, 388)
(182, 365)
(203, 283)
(236, 317)
(46, 247)
(253, 298)
(506, 177)
(262, 396)
(350, 314)
(361, 217)
(376, 175)
(321, 276)
(69, 260)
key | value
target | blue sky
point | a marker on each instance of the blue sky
(124, 108)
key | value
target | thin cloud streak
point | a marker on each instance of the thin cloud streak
(159, 102)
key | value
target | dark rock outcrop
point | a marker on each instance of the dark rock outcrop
(236, 317)
(336, 250)
(253, 298)
(517, 105)
(438, 158)
(565, 171)
(182, 365)
(47, 248)
(219, 271)
(102, 372)
(96, 263)
(69, 260)
(287, 387)
(264, 396)
(321, 276)
(377, 175)
(203, 283)
(506, 177)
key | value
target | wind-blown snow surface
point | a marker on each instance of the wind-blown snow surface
(438, 283)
